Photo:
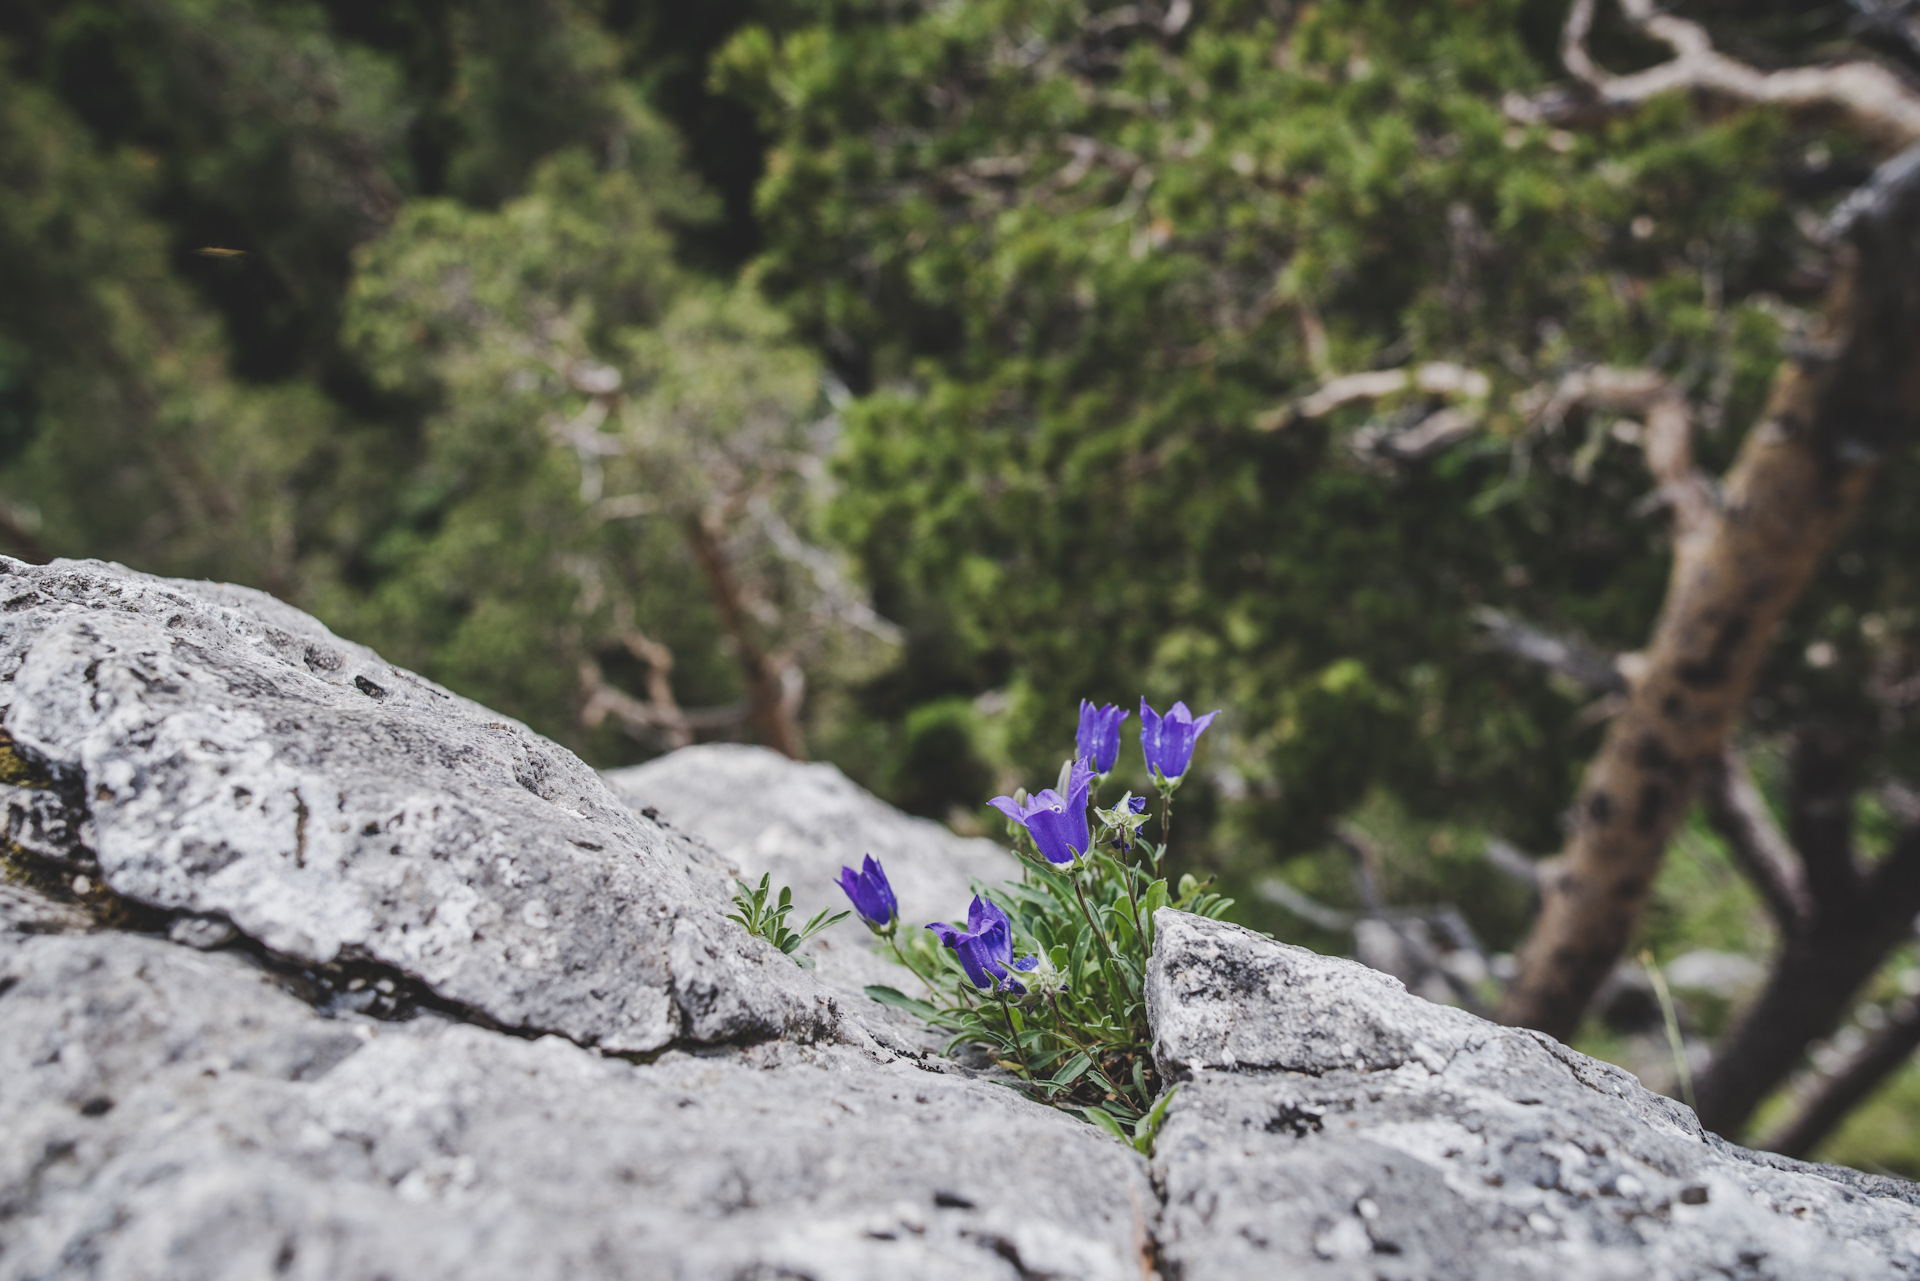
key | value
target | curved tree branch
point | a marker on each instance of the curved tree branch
(1736, 810)
(1878, 102)
(1833, 1096)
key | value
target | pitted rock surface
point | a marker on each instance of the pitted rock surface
(1426, 1143)
(171, 1113)
(293, 932)
(230, 757)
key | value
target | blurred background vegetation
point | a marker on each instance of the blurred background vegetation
(876, 378)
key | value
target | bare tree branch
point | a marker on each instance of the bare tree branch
(1571, 658)
(1511, 860)
(1366, 877)
(1306, 907)
(1434, 379)
(1800, 477)
(1879, 103)
(1737, 812)
(1833, 1096)
(775, 685)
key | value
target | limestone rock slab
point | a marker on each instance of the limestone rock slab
(226, 756)
(804, 822)
(801, 823)
(1332, 1125)
(171, 1113)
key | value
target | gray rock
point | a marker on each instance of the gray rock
(1330, 1124)
(312, 969)
(235, 759)
(203, 763)
(171, 1113)
(802, 823)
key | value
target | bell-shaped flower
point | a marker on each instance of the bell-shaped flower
(872, 896)
(985, 947)
(1098, 742)
(1058, 824)
(1168, 741)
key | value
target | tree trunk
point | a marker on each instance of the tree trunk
(1847, 394)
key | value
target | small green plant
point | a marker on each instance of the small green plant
(1049, 972)
(770, 923)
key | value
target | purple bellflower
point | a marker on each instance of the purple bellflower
(1098, 742)
(1168, 741)
(985, 947)
(1058, 824)
(872, 896)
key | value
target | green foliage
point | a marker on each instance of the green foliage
(1084, 270)
(588, 399)
(759, 919)
(1073, 1028)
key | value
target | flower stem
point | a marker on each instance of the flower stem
(900, 956)
(1093, 1059)
(1112, 967)
(1013, 1035)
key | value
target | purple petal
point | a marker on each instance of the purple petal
(1053, 833)
(984, 914)
(1008, 806)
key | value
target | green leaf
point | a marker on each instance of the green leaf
(1099, 1117)
(1147, 1128)
(1076, 1067)
(1152, 901)
(900, 1001)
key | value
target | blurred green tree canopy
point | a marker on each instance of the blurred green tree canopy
(1087, 270)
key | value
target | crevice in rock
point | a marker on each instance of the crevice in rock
(75, 882)
(352, 984)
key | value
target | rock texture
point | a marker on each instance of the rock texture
(309, 968)
(173, 1114)
(765, 814)
(1332, 1125)
(219, 754)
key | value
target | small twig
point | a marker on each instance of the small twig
(1566, 655)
